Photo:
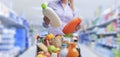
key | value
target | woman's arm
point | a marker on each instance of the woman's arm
(72, 4)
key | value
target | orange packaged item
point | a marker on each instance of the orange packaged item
(72, 51)
(71, 26)
(49, 36)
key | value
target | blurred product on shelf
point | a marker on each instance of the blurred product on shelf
(13, 34)
(7, 42)
(105, 39)
(116, 52)
(50, 13)
(84, 38)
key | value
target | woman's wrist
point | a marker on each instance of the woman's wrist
(45, 25)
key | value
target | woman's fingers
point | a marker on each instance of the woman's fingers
(78, 27)
(46, 20)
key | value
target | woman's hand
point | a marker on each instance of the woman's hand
(78, 27)
(71, 1)
(46, 20)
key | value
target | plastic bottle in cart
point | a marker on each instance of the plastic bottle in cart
(76, 41)
(64, 51)
(72, 51)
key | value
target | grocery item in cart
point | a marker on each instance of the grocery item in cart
(46, 42)
(40, 55)
(47, 54)
(72, 51)
(49, 36)
(57, 42)
(64, 51)
(71, 26)
(53, 49)
(52, 16)
(42, 47)
(54, 55)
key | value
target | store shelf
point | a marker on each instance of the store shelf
(10, 23)
(105, 23)
(106, 46)
(107, 33)
(90, 32)
(90, 28)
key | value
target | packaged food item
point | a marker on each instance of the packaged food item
(40, 55)
(46, 42)
(57, 42)
(53, 49)
(72, 51)
(42, 47)
(49, 36)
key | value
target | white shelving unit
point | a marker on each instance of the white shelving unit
(103, 25)
(15, 22)
(10, 23)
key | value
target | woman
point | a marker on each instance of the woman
(65, 10)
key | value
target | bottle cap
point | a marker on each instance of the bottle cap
(64, 44)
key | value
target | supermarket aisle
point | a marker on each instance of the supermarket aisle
(86, 52)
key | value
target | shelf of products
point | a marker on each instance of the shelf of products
(9, 18)
(10, 23)
(13, 33)
(91, 32)
(90, 28)
(107, 33)
(105, 23)
(105, 36)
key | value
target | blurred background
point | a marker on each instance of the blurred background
(21, 21)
